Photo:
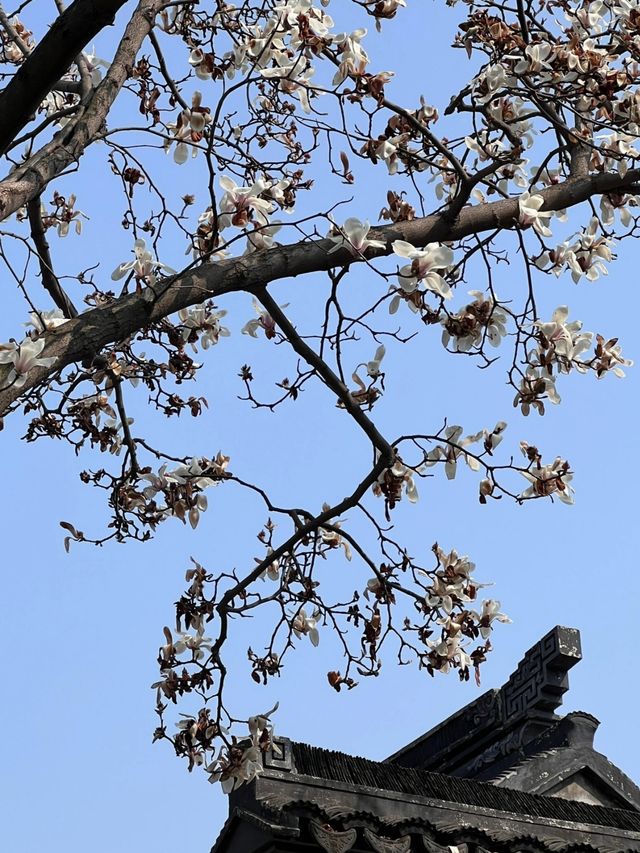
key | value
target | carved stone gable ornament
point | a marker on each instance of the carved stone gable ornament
(331, 840)
(387, 845)
(541, 677)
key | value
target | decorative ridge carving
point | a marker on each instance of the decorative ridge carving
(494, 725)
(387, 845)
(540, 679)
(332, 840)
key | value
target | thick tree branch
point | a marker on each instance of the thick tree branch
(50, 280)
(68, 145)
(88, 334)
(49, 61)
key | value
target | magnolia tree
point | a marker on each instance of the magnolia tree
(264, 104)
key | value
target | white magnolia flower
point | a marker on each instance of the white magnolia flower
(454, 448)
(239, 204)
(243, 769)
(304, 625)
(144, 266)
(424, 263)
(353, 57)
(452, 582)
(94, 64)
(201, 63)
(333, 538)
(564, 338)
(45, 321)
(549, 480)
(536, 385)
(354, 236)
(493, 78)
(593, 250)
(483, 148)
(23, 357)
(535, 59)
(260, 723)
(392, 481)
(263, 321)
(467, 328)
(451, 652)
(189, 129)
(490, 613)
(273, 569)
(205, 322)
(261, 238)
(373, 366)
(530, 214)
(195, 643)
(609, 357)
(558, 259)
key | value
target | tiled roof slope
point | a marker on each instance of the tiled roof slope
(340, 767)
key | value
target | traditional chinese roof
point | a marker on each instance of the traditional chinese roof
(309, 798)
(314, 799)
(513, 736)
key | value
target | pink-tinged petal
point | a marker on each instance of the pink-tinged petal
(181, 154)
(560, 314)
(440, 256)
(227, 183)
(404, 249)
(121, 270)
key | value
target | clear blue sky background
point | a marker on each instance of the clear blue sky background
(81, 632)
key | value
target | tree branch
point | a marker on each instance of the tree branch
(49, 61)
(50, 280)
(88, 334)
(30, 178)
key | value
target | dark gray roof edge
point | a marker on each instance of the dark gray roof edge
(451, 833)
(561, 762)
(443, 725)
(361, 772)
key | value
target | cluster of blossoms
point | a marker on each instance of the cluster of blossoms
(26, 355)
(182, 488)
(247, 207)
(22, 358)
(587, 254)
(281, 46)
(394, 481)
(453, 650)
(548, 480)
(426, 268)
(61, 215)
(453, 447)
(449, 589)
(241, 762)
(201, 324)
(478, 321)
(451, 583)
(560, 348)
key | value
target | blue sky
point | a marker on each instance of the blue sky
(81, 631)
